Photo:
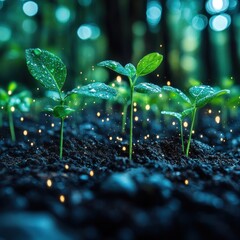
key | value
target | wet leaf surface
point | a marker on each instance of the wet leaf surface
(147, 88)
(98, 90)
(149, 63)
(47, 68)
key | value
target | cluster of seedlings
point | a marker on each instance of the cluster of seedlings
(51, 72)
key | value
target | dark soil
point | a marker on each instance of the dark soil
(160, 195)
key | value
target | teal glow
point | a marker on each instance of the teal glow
(30, 8)
(62, 14)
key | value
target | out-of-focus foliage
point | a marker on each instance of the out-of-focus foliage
(199, 38)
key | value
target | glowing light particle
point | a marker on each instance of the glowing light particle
(147, 107)
(66, 166)
(91, 173)
(49, 182)
(119, 79)
(62, 198)
(25, 132)
(217, 119)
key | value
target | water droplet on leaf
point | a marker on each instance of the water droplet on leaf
(37, 51)
(92, 90)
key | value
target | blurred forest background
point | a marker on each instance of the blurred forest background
(200, 39)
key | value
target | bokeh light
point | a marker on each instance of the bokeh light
(217, 6)
(62, 14)
(153, 13)
(88, 31)
(85, 3)
(29, 26)
(199, 22)
(174, 5)
(220, 22)
(30, 8)
(5, 33)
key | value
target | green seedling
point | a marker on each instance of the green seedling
(9, 103)
(200, 96)
(146, 65)
(51, 72)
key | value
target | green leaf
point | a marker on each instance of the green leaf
(204, 94)
(131, 70)
(47, 68)
(48, 109)
(173, 114)
(178, 92)
(21, 101)
(62, 111)
(12, 86)
(115, 66)
(4, 97)
(187, 112)
(98, 90)
(53, 95)
(147, 88)
(149, 63)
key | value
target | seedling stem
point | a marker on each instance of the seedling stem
(191, 130)
(11, 125)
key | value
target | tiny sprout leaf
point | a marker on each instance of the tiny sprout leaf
(48, 109)
(149, 63)
(178, 92)
(148, 88)
(174, 114)
(47, 68)
(98, 90)
(62, 111)
(53, 95)
(12, 86)
(115, 66)
(207, 99)
(131, 70)
(187, 112)
(4, 97)
(204, 94)
(21, 101)
(201, 91)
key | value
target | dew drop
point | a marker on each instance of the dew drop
(92, 90)
(37, 51)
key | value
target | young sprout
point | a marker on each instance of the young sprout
(146, 65)
(51, 72)
(10, 103)
(200, 95)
